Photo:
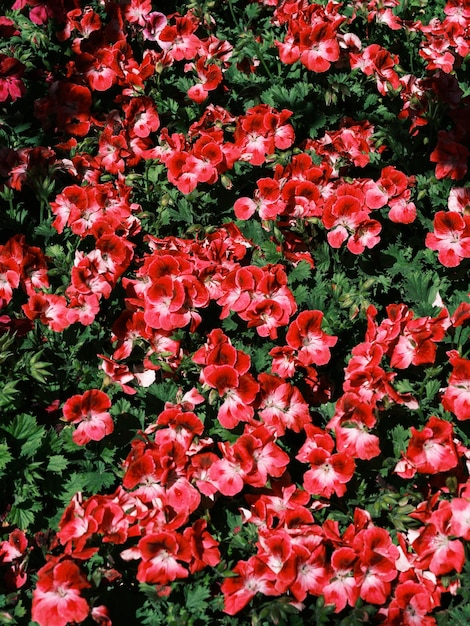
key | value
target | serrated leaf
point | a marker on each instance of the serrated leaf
(271, 252)
(23, 427)
(302, 294)
(404, 386)
(45, 230)
(371, 101)
(5, 455)
(300, 272)
(163, 391)
(21, 517)
(261, 359)
(400, 438)
(229, 324)
(96, 481)
(432, 387)
(8, 392)
(57, 463)
(73, 485)
(196, 598)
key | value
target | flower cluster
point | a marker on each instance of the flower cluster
(234, 316)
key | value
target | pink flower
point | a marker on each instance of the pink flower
(11, 83)
(56, 599)
(89, 411)
(457, 395)
(451, 237)
(305, 335)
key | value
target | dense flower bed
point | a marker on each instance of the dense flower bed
(234, 253)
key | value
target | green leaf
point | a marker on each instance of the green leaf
(301, 272)
(302, 294)
(196, 598)
(5, 456)
(73, 485)
(57, 463)
(96, 481)
(32, 444)
(400, 438)
(229, 324)
(8, 392)
(261, 359)
(24, 427)
(21, 517)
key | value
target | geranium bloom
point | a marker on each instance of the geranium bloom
(435, 549)
(282, 405)
(346, 216)
(56, 598)
(306, 336)
(69, 106)
(101, 69)
(329, 473)
(451, 237)
(11, 83)
(319, 47)
(456, 397)
(89, 411)
(14, 552)
(230, 472)
(49, 308)
(343, 588)
(376, 568)
(141, 116)
(253, 577)
(450, 157)
(430, 450)
(417, 343)
(351, 422)
(204, 548)
(9, 279)
(411, 605)
(377, 61)
(161, 555)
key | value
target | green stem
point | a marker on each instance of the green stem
(232, 13)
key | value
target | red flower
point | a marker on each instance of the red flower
(456, 397)
(9, 279)
(141, 116)
(328, 472)
(417, 343)
(89, 411)
(306, 336)
(51, 309)
(450, 156)
(430, 450)
(204, 548)
(56, 598)
(319, 47)
(282, 405)
(14, 552)
(70, 104)
(253, 577)
(11, 83)
(411, 605)
(375, 60)
(435, 549)
(179, 41)
(343, 588)
(161, 555)
(451, 237)
(352, 421)
(101, 68)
